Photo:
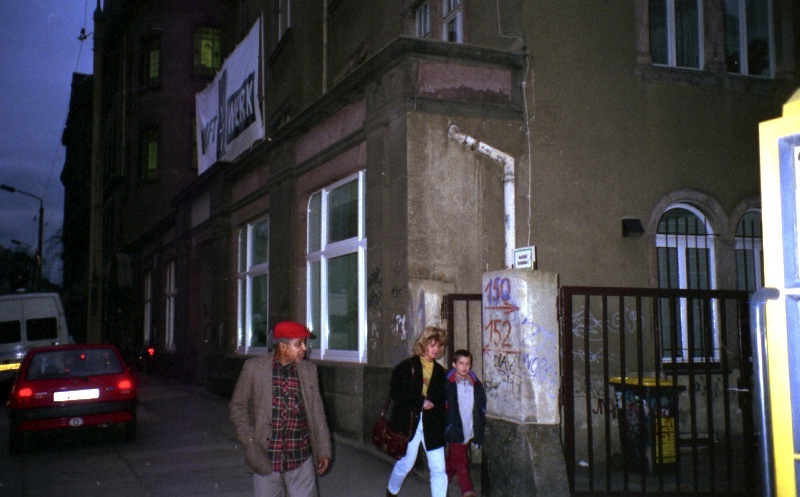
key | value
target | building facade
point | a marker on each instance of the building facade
(633, 128)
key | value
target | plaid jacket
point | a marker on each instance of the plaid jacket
(251, 411)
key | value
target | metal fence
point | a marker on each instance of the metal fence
(656, 391)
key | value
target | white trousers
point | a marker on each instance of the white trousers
(435, 465)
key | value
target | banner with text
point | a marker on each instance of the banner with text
(228, 110)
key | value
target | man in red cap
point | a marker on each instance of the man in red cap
(277, 412)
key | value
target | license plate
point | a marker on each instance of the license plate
(89, 393)
(9, 367)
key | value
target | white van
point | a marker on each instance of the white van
(28, 320)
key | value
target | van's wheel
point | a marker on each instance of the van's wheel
(16, 442)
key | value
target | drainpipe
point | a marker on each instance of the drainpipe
(508, 184)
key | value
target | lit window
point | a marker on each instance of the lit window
(686, 260)
(676, 33)
(749, 258)
(170, 294)
(336, 268)
(149, 154)
(423, 20)
(253, 286)
(453, 21)
(148, 307)
(207, 59)
(747, 37)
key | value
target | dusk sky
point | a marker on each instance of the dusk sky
(39, 51)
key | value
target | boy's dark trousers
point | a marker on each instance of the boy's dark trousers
(457, 465)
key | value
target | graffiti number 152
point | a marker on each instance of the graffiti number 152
(498, 333)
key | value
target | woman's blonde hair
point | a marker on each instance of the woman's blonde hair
(428, 335)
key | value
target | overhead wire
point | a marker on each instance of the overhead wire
(83, 36)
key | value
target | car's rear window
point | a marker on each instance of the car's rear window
(74, 362)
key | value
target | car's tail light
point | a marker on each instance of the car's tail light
(125, 385)
(25, 393)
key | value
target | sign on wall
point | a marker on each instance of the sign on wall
(228, 111)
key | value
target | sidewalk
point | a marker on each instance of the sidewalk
(185, 446)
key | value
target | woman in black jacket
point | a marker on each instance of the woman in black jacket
(417, 389)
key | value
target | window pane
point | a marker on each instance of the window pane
(745, 270)
(314, 220)
(41, 329)
(749, 226)
(343, 302)
(687, 41)
(343, 212)
(10, 332)
(669, 316)
(758, 61)
(452, 30)
(258, 321)
(732, 36)
(749, 260)
(153, 72)
(243, 249)
(658, 31)
(242, 340)
(680, 222)
(697, 262)
(423, 21)
(206, 50)
(667, 267)
(314, 304)
(260, 243)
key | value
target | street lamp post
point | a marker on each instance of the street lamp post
(38, 277)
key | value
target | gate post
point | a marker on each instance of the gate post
(523, 453)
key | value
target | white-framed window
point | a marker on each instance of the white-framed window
(148, 307)
(284, 17)
(676, 33)
(423, 20)
(336, 264)
(749, 257)
(170, 293)
(453, 21)
(748, 37)
(253, 286)
(686, 260)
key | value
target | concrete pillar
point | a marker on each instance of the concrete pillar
(522, 452)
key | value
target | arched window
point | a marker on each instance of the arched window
(749, 258)
(686, 260)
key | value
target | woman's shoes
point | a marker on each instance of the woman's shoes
(469, 494)
(389, 494)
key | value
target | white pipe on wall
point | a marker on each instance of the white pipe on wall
(508, 185)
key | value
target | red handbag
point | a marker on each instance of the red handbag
(388, 440)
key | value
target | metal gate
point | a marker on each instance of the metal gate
(463, 313)
(656, 391)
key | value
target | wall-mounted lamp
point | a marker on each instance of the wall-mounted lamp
(632, 228)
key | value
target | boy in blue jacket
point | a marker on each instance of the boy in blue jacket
(466, 418)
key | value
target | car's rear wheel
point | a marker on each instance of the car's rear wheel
(129, 430)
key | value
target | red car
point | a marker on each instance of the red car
(69, 386)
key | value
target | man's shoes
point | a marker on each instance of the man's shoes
(389, 494)
(469, 494)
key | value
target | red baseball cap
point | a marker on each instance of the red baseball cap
(290, 329)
